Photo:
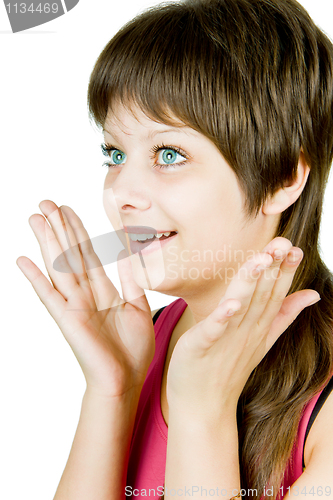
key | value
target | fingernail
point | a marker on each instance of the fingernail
(294, 256)
(278, 254)
(257, 270)
(314, 302)
(231, 312)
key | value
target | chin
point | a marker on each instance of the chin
(155, 279)
(150, 277)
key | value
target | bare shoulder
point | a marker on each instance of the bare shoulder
(319, 444)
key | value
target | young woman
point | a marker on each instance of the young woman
(217, 118)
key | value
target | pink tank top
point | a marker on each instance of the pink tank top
(146, 468)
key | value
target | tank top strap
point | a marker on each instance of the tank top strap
(156, 315)
(320, 401)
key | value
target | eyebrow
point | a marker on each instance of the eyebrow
(155, 132)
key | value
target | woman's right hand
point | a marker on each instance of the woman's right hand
(113, 346)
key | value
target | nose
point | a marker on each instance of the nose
(130, 188)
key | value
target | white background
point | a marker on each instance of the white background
(49, 150)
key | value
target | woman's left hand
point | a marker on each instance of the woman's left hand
(213, 360)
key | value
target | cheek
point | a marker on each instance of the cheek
(217, 221)
(221, 207)
(233, 199)
(178, 202)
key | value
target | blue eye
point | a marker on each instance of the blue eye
(169, 156)
(116, 155)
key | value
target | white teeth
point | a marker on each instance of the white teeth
(144, 237)
(140, 237)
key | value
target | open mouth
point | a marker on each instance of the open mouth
(141, 238)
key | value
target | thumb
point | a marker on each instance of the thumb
(291, 307)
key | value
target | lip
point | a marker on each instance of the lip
(147, 248)
(144, 230)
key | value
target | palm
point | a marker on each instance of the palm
(112, 338)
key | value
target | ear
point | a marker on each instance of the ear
(286, 196)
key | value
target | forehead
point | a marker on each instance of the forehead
(132, 120)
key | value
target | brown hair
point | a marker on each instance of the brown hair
(256, 78)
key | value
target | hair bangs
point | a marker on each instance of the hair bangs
(244, 73)
(156, 64)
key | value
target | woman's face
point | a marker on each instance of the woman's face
(186, 186)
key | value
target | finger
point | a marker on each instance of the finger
(278, 245)
(131, 291)
(93, 265)
(281, 287)
(291, 307)
(211, 329)
(105, 293)
(266, 283)
(244, 283)
(253, 308)
(51, 298)
(65, 282)
(67, 240)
